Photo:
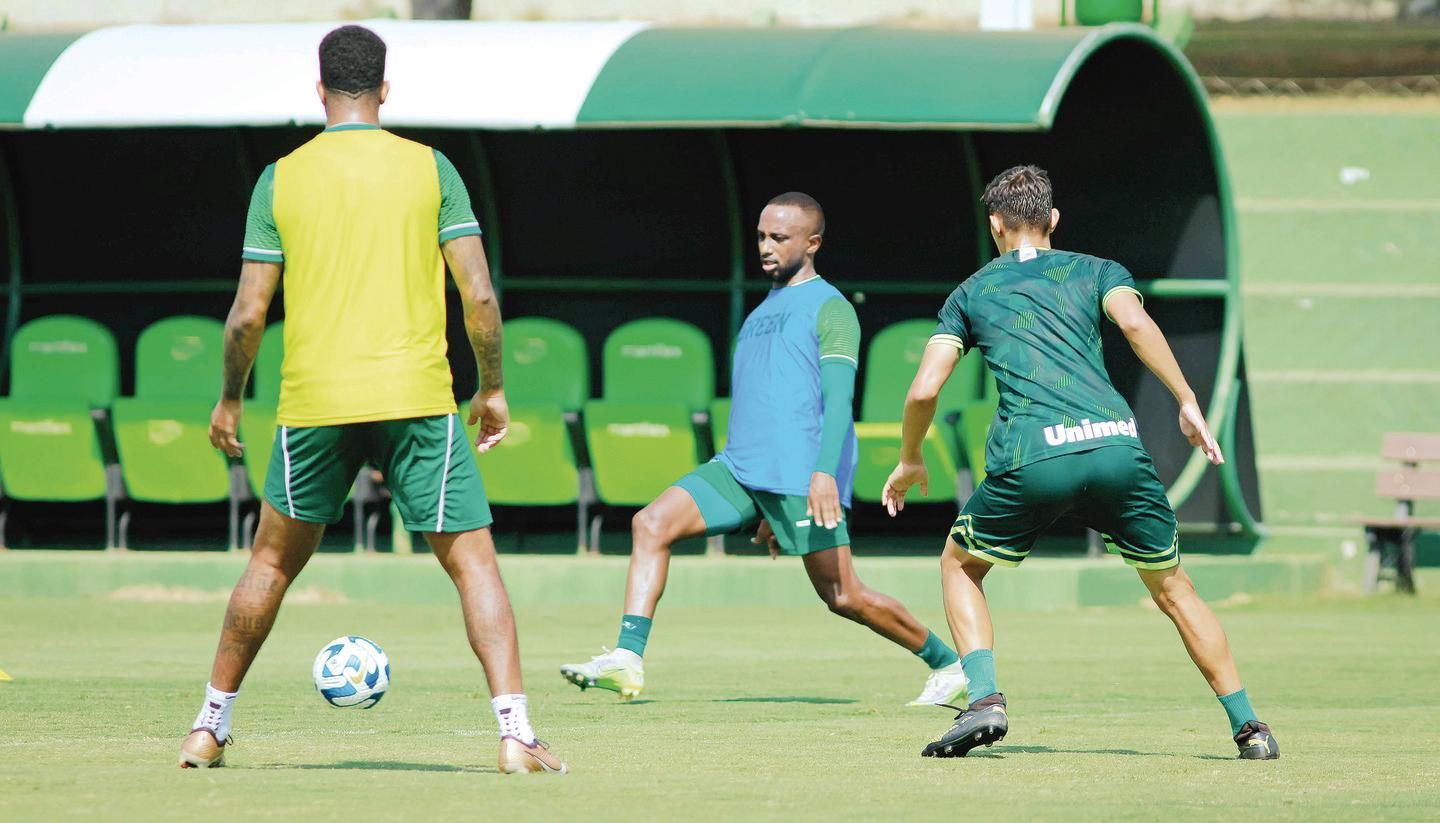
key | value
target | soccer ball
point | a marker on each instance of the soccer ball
(352, 673)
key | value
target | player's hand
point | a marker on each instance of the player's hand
(823, 505)
(904, 476)
(224, 423)
(493, 413)
(1192, 425)
(765, 536)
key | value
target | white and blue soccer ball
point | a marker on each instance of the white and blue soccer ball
(352, 673)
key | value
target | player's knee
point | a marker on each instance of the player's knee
(844, 603)
(1173, 593)
(648, 528)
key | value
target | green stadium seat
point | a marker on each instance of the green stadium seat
(534, 465)
(546, 363)
(890, 366)
(659, 360)
(257, 424)
(719, 423)
(162, 433)
(265, 377)
(64, 357)
(973, 430)
(636, 451)
(64, 373)
(180, 358)
(880, 452)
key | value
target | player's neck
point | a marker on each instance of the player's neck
(339, 113)
(1023, 240)
(805, 275)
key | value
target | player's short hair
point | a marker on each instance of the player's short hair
(352, 60)
(804, 202)
(1022, 197)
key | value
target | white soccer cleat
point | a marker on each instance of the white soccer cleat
(202, 750)
(621, 671)
(947, 685)
(520, 758)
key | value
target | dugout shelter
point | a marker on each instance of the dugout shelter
(617, 170)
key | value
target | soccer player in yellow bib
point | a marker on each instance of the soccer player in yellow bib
(361, 223)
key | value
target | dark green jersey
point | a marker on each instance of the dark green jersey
(1035, 315)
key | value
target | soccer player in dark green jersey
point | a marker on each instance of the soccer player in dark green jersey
(1063, 442)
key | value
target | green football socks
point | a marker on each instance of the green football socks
(634, 633)
(936, 654)
(1237, 708)
(979, 667)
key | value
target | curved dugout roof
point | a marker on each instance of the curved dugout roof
(557, 76)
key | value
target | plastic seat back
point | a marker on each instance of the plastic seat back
(180, 358)
(64, 357)
(534, 465)
(659, 360)
(637, 449)
(546, 363)
(890, 366)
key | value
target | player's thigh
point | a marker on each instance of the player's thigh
(284, 542)
(431, 473)
(1126, 502)
(311, 471)
(832, 573)
(466, 551)
(797, 531)
(1008, 512)
(708, 501)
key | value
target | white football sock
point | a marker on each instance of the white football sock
(215, 712)
(512, 713)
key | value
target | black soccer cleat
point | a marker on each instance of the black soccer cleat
(1256, 742)
(983, 724)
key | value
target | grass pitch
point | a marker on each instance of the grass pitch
(751, 714)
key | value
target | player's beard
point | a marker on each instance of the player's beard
(784, 274)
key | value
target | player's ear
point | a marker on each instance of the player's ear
(814, 243)
(384, 90)
(320, 91)
(1054, 220)
(997, 226)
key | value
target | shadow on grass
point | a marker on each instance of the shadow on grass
(379, 765)
(1001, 751)
(820, 701)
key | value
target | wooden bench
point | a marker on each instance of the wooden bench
(1391, 540)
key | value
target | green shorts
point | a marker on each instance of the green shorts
(729, 507)
(427, 461)
(1113, 490)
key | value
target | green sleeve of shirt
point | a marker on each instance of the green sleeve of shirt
(262, 238)
(1113, 279)
(457, 218)
(839, 331)
(953, 328)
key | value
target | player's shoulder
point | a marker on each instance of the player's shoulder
(1089, 261)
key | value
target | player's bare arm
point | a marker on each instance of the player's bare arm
(1154, 351)
(936, 366)
(243, 329)
(466, 258)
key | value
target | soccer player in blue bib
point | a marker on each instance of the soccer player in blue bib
(789, 464)
(1063, 442)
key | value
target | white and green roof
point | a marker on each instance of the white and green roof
(558, 76)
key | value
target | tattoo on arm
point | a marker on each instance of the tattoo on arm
(487, 345)
(246, 324)
(466, 258)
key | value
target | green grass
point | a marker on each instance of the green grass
(753, 713)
